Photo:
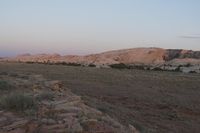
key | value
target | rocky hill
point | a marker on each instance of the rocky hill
(148, 58)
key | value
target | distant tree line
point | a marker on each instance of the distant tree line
(59, 63)
(119, 66)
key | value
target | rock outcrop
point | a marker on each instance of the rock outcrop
(58, 110)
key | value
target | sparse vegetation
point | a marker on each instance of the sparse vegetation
(30, 62)
(65, 63)
(92, 65)
(4, 85)
(157, 69)
(139, 67)
(73, 64)
(55, 63)
(119, 66)
(132, 66)
(145, 92)
(19, 102)
(188, 65)
(60, 63)
(192, 72)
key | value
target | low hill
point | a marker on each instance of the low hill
(169, 59)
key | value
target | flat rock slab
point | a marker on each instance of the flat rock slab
(15, 125)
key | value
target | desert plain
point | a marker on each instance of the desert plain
(149, 101)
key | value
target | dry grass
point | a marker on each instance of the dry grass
(18, 102)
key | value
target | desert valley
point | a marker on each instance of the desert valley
(99, 66)
(145, 90)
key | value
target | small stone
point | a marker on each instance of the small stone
(133, 129)
(60, 122)
(51, 121)
(48, 121)
(2, 119)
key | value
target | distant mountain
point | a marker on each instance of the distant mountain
(168, 59)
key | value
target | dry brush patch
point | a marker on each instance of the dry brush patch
(19, 102)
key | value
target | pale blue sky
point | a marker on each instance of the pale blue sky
(90, 26)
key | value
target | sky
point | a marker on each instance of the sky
(91, 26)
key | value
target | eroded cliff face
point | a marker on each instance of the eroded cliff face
(171, 54)
(164, 59)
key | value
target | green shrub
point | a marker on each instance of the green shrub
(119, 66)
(192, 72)
(92, 65)
(188, 65)
(30, 62)
(4, 85)
(60, 63)
(157, 69)
(138, 67)
(178, 69)
(73, 64)
(18, 102)
(67, 64)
